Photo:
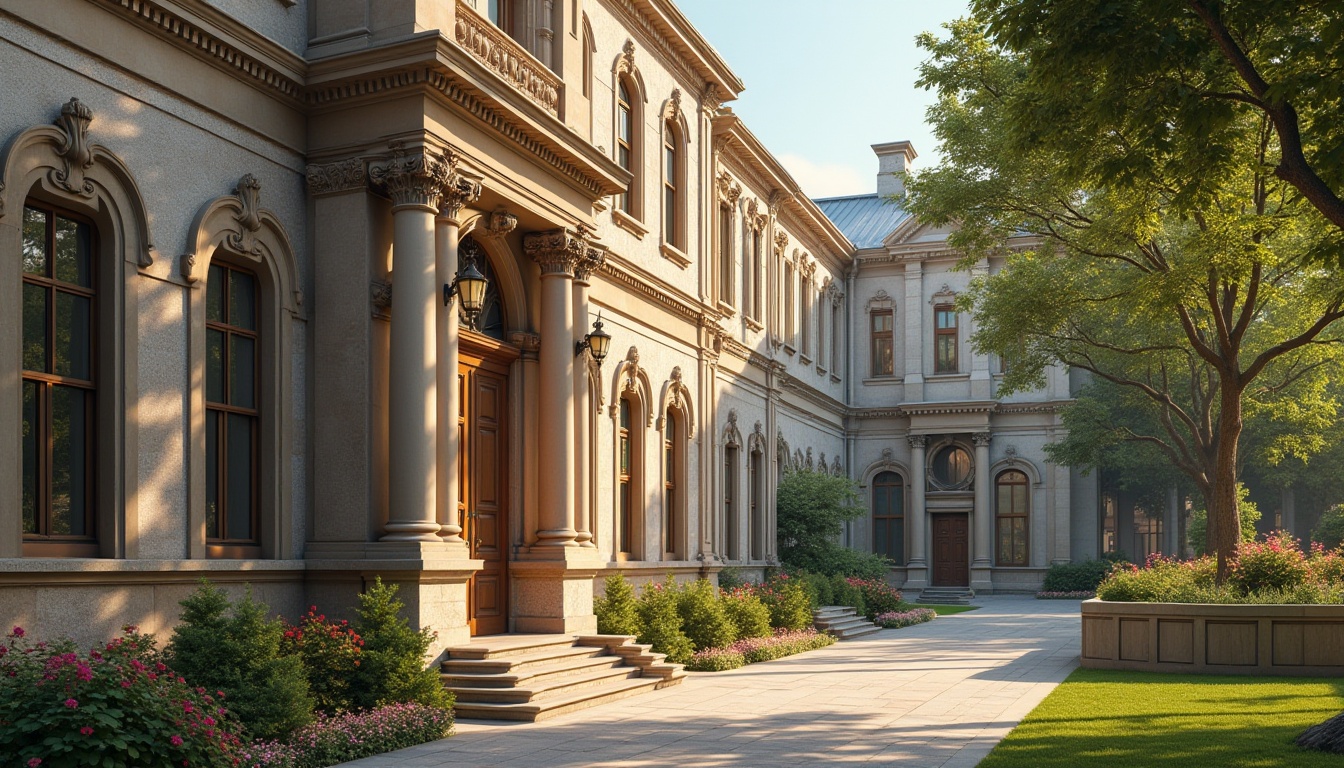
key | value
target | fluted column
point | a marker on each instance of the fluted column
(556, 252)
(917, 566)
(415, 182)
(458, 193)
(984, 511)
(591, 259)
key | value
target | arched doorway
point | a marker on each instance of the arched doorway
(483, 469)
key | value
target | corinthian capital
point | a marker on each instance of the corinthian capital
(981, 439)
(557, 251)
(594, 256)
(918, 441)
(414, 180)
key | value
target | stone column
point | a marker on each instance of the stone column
(917, 566)
(556, 251)
(591, 259)
(982, 536)
(415, 182)
(458, 193)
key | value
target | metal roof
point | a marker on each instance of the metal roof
(865, 219)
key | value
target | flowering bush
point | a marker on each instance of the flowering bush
(703, 618)
(1160, 579)
(1325, 566)
(660, 622)
(715, 660)
(746, 611)
(330, 651)
(1275, 563)
(1078, 595)
(339, 739)
(878, 596)
(787, 601)
(116, 706)
(898, 619)
(785, 642)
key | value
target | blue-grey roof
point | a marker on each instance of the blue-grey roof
(864, 219)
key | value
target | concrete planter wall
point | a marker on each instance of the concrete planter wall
(1306, 640)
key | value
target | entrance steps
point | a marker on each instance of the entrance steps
(534, 677)
(946, 596)
(842, 622)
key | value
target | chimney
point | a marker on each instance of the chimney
(891, 158)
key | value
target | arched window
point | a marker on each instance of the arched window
(755, 505)
(889, 516)
(627, 144)
(674, 474)
(1011, 504)
(755, 270)
(733, 548)
(726, 254)
(490, 320)
(626, 456)
(790, 324)
(673, 223)
(59, 381)
(233, 412)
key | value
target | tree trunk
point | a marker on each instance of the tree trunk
(1224, 518)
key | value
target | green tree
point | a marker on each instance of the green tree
(617, 609)
(1329, 530)
(811, 510)
(392, 666)
(1188, 278)
(1199, 521)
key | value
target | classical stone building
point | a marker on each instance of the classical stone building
(241, 247)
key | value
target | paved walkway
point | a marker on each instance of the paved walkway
(937, 694)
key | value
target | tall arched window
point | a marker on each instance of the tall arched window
(232, 428)
(889, 516)
(726, 254)
(627, 145)
(59, 383)
(733, 548)
(755, 269)
(674, 465)
(1011, 504)
(755, 506)
(672, 214)
(626, 459)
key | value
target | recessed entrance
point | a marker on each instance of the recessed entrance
(951, 550)
(484, 504)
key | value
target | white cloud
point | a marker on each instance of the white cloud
(826, 179)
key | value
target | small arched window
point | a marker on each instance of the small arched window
(731, 521)
(233, 411)
(756, 506)
(1011, 505)
(889, 516)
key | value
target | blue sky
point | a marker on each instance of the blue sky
(825, 81)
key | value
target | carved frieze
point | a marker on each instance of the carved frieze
(503, 55)
(340, 176)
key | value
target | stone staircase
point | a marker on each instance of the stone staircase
(946, 596)
(533, 677)
(842, 622)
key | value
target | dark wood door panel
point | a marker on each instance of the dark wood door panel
(484, 477)
(951, 551)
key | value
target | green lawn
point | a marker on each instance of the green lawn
(1141, 719)
(948, 610)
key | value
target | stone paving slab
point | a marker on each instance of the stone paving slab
(936, 695)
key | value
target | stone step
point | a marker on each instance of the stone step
(509, 664)
(504, 646)
(537, 690)
(856, 632)
(943, 600)
(542, 709)
(842, 626)
(831, 611)
(532, 675)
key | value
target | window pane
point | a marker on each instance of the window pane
(73, 259)
(239, 480)
(492, 11)
(242, 371)
(35, 328)
(1006, 541)
(1019, 541)
(32, 430)
(69, 475)
(670, 215)
(623, 157)
(885, 359)
(670, 163)
(34, 241)
(1020, 499)
(212, 474)
(242, 300)
(74, 344)
(214, 366)
(214, 294)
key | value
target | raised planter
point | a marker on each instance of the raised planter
(1303, 640)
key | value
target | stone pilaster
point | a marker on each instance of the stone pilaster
(584, 405)
(982, 537)
(917, 569)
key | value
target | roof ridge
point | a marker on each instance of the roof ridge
(843, 197)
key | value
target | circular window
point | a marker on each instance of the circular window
(952, 468)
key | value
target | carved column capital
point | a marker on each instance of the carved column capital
(594, 256)
(918, 441)
(414, 180)
(340, 176)
(557, 251)
(981, 439)
(458, 193)
(499, 223)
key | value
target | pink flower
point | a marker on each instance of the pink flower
(18, 632)
(83, 672)
(71, 703)
(86, 730)
(125, 683)
(176, 740)
(36, 761)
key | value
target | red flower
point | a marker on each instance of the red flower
(33, 763)
(86, 730)
(71, 703)
(176, 740)
(18, 632)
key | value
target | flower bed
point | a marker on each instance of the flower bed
(1046, 595)
(752, 650)
(341, 738)
(899, 619)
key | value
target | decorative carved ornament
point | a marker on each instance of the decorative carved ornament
(756, 440)
(677, 395)
(756, 218)
(380, 299)
(945, 295)
(880, 301)
(836, 469)
(729, 190)
(340, 176)
(809, 465)
(626, 62)
(672, 110)
(75, 151)
(711, 100)
(781, 243)
(981, 439)
(458, 192)
(731, 434)
(417, 179)
(502, 54)
(244, 241)
(556, 250)
(499, 223)
(918, 441)
(592, 259)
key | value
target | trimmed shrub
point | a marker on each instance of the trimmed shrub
(715, 660)
(660, 621)
(788, 603)
(392, 668)
(1329, 530)
(617, 611)
(1083, 576)
(333, 740)
(331, 656)
(236, 649)
(898, 619)
(1276, 563)
(878, 596)
(748, 614)
(818, 588)
(849, 594)
(703, 619)
(1325, 567)
(119, 705)
(784, 642)
(1045, 595)
(1161, 580)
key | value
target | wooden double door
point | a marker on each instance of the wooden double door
(951, 550)
(483, 462)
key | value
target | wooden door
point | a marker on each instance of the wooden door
(483, 430)
(951, 553)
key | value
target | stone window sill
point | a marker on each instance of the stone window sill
(629, 223)
(882, 381)
(789, 350)
(804, 359)
(675, 256)
(948, 377)
(727, 309)
(754, 325)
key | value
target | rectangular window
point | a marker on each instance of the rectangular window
(884, 359)
(944, 339)
(624, 141)
(835, 338)
(671, 473)
(806, 308)
(58, 340)
(790, 330)
(730, 520)
(821, 329)
(623, 480)
(889, 516)
(671, 231)
(232, 415)
(726, 254)
(755, 521)
(756, 274)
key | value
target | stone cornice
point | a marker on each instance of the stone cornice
(812, 395)
(219, 39)
(949, 407)
(663, 28)
(645, 285)
(1053, 406)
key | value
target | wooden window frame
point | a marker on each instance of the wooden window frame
(672, 160)
(756, 238)
(674, 469)
(42, 544)
(941, 366)
(755, 549)
(628, 202)
(726, 271)
(1001, 517)
(625, 469)
(731, 508)
(898, 494)
(876, 336)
